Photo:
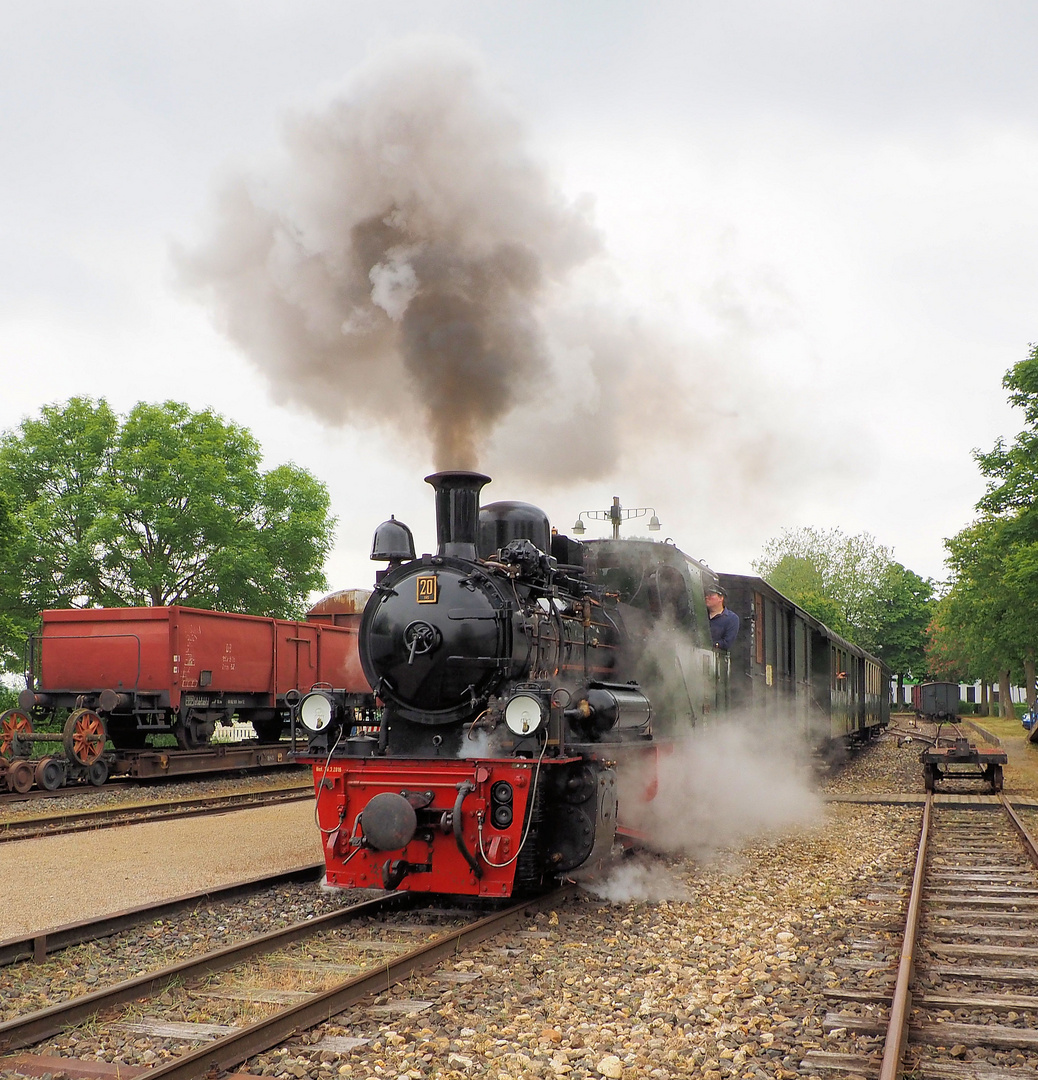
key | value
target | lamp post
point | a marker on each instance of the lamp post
(616, 513)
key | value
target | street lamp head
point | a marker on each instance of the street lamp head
(578, 527)
(654, 524)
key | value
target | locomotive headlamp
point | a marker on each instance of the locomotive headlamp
(524, 714)
(316, 711)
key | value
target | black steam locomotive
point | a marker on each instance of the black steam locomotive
(520, 675)
(527, 684)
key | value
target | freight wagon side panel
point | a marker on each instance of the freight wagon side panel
(121, 649)
(297, 656)
(222, 652)
(339, 655)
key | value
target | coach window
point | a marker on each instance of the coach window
(799, 648)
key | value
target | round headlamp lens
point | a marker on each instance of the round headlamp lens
(524, 714)
(315, 711)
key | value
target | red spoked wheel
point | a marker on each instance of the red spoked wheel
(85, 736)
(13, 722)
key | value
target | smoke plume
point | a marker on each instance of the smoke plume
(400, 266)
(411, 264)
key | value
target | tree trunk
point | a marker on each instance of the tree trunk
(1005, 700)
(900, 692)
(984, 707)
(1029, 677)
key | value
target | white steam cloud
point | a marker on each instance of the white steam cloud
(725, 784)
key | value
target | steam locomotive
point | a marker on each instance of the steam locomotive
(526, 682)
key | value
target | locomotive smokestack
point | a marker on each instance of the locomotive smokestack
(457, 511)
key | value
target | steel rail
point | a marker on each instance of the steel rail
(32, 1028)
(40, 943)
(13, 798)
(132, 814)
(897, 1027)
(232, 1049)
(1021, 829)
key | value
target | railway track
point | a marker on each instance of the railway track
(957, 997)
(299, 983)
(39, 945)
(125, 814)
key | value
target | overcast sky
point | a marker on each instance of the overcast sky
(816, 225)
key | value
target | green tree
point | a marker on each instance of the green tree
(990, 616)
(971, 634)
(167, 506)
(903, 607)
(854, 586)
(10, 606)
(799, 578)
(830, 564)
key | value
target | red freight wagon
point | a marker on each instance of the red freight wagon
(153, 670)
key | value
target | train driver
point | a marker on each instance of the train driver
(724, 624)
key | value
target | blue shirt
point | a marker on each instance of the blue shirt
(723, 628)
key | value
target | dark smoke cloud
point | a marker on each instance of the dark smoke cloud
(412, 265)
(402, 264)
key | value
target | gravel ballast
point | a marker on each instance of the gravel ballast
(49, 881)
(693, 968)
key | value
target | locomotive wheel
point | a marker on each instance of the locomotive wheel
(13, 722)
(50, 773)
(97, 773)
(85, 737)
(19, 775)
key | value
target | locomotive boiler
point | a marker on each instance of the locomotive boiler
(510, 705)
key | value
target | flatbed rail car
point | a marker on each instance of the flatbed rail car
(145, 671)
(55, 770)
(787, 664)
(952, 758)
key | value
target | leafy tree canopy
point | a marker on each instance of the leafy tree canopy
(165, 506)
(986, 624)
(854, 586)
(1012, 471)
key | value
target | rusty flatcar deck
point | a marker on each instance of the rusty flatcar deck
(962, 760)
(146, 764)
